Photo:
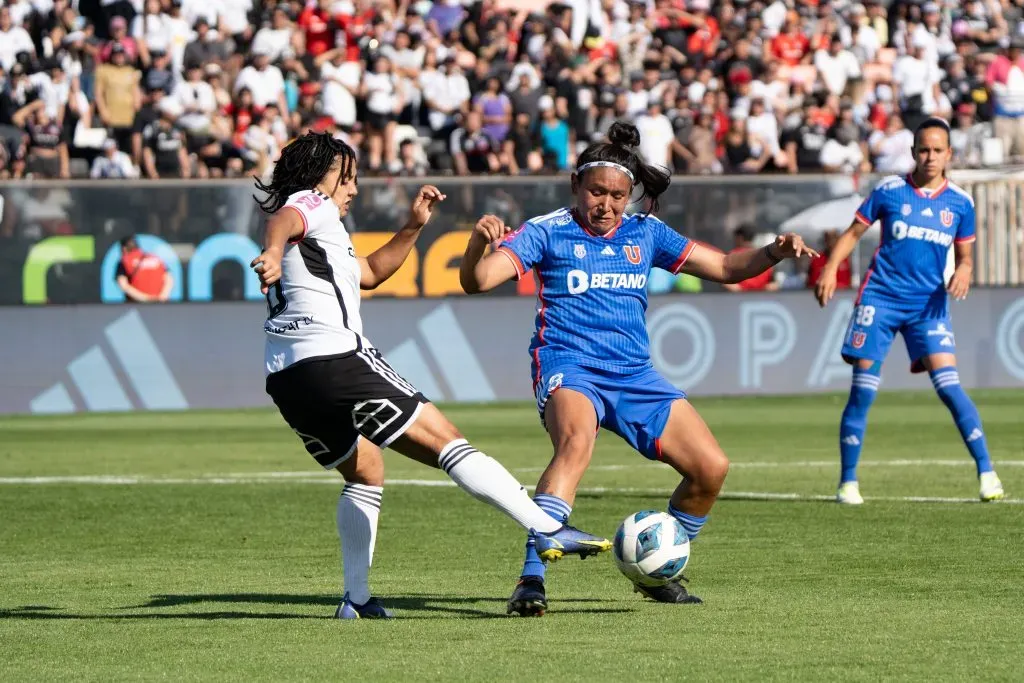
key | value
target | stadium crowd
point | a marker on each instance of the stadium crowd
(206, 88)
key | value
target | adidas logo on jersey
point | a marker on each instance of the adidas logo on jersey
(927, 212)
(851, 440)
(975, 435)
(579, 282)
(608, 251)
(901, 230)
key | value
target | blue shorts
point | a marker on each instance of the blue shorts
(872, 329)
(636, 407)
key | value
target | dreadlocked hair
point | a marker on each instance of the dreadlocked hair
(303, 164)
(620, 148)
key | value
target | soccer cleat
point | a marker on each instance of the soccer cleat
(371, 610)
(528, 599)
(672, 592)
(849, 493)
(569, 541)
(990, 487)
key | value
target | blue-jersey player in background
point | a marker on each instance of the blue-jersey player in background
(904, 291)
(590, 357)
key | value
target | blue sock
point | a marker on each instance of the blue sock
(863, 389)
(691, 523)
(947, 384)
(558, 510)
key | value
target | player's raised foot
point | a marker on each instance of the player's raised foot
(672, 592)
(849, 493)
(528, 598)
(371, 610)
(569, 541)
(990, 488)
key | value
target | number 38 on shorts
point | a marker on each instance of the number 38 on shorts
(873, 328)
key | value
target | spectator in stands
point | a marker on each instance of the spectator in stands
(844, 274)
(784, 64)
(495, 107)
(741, 151)
(473, 149)
(14, 41)
(1005, 79)
(47, 155)
(142, 277)
(164, 147)
(113, 163)
(968, 137)
(118, 95)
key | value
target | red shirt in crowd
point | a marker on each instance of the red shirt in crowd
(844, 274)
(757, 282)
(790, 48)
(145, 272)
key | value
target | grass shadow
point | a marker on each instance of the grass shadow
(409, 606)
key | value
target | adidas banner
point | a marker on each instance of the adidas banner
(173, 357)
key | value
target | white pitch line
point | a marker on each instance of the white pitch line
(242, 478)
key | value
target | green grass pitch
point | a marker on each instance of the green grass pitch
(202, 546)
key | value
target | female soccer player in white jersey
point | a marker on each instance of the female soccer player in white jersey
(591, 364)
(334, 388)
(904, 291)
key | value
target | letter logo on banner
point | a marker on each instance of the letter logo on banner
(767, 336)
(453, 355)
(828, 365)
(101, 390)
(1008, 339)
(223, 246)
(687, 319)
(48, 252)
(110, 293)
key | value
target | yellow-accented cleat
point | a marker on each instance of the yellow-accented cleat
(849, 493)
(990, 488)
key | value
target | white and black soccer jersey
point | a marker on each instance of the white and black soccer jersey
(318, 364)
(314, 307)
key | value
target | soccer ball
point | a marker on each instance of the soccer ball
(651, 548)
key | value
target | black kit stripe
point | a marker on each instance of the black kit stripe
(315, 258)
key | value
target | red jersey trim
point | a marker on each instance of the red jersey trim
(681, 261)
(516, 263)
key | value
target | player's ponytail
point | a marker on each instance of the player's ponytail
(620, 151)
(303, 164)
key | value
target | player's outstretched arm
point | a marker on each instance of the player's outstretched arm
(385, 262)
(845, 245)
(708, 264)
(282, 227)
(479, 273)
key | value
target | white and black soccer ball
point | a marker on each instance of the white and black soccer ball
(651, 548)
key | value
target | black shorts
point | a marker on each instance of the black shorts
(331, 402)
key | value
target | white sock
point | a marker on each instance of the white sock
(485, 479)
(358, 509)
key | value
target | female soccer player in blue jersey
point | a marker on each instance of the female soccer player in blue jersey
(904, 291)
(591, 364)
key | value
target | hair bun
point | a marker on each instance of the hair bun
(625, 134)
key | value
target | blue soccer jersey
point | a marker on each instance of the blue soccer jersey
(592, 288)
(918, 228)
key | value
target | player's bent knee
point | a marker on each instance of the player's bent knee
(427, 436)
(576, 446)
(709, 471)
(366, 466)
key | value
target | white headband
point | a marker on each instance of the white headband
(608, 164)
